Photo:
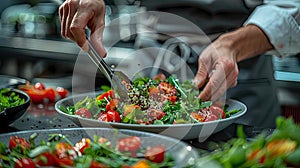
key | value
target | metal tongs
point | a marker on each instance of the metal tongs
(115, 77)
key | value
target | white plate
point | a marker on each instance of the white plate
(182, 153)
(180, 131)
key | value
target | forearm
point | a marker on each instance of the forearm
(245, 42)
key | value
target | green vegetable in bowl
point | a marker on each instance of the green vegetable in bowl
(9, 99)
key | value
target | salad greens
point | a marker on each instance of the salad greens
(279, 149)
(59, 151)
(152, 101)
(9, 99)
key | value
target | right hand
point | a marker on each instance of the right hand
(75, 15)
(217, 67)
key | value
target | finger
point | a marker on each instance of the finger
(73, 6)
(204, 66)
(216, 85)
(97, 28)
(96, 38)
(78, 25)
(218, 88)
(232, 78)
(63, 13)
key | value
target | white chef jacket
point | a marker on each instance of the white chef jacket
(280, 20)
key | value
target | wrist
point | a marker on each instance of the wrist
(246, 42)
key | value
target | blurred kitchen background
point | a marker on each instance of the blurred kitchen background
(32, 48)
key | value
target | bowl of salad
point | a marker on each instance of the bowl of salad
(13, 104)
(93, 147)
(160, 105)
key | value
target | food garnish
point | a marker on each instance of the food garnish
(151, 101)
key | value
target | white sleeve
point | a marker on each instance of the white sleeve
(280, 21)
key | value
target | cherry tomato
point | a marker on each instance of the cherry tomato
(219, 112)
(112, 104)
(167, 89)
(36, 96)
(155, 154)
(155, 114)
(39, 86)
(172, 99)
(64, 154)
(15, 141)
(45, 159)
(110, 116)
(25, 163)
(211, 117)
(106, 95)
(82, 144)
(160, 76)
(83, 112)
(50, 94)
(129, 144)
(62, 92)
(153, 92)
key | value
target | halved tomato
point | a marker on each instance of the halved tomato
(106, 95)
(83, 112)
(110, 116)
(155, 154)
(39, 86)
(219, 112)
(64, 154)
(129, 144)
(82, 144)
(50, 94)
(62, 92)
(24, 163)
(15, 141)
(167, 88)
(45, 159)
(112, 104)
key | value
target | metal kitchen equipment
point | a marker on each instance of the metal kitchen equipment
(115, 77)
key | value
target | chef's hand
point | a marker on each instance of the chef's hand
(218, 62)
(217, 70)
(75, 15)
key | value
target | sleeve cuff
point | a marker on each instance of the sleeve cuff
(280, 27)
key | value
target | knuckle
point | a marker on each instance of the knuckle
(73, 4)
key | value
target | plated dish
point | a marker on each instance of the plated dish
(178, 154)
(160, 104)
(199, 130)
(14, 104)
